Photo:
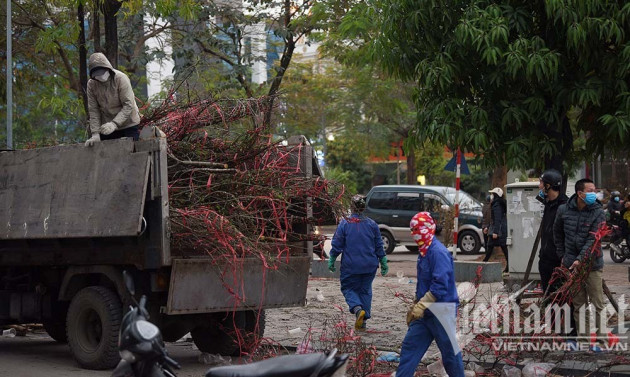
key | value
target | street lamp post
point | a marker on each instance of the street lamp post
(9, 80)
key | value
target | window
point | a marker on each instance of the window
(382, 200)
(409, 201)
(432, 203)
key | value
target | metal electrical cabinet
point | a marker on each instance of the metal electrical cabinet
(524, 214)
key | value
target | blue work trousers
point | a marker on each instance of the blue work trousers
(357, 290)
(419, 337)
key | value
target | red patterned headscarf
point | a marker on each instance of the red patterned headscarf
(422, 230)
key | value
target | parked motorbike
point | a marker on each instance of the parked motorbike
(318, 249)
(143, 353)
(619, 250)
(142, 350)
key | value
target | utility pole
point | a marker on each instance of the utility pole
(9, 79)
(456, 218)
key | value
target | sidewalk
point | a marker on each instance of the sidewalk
(387, 327)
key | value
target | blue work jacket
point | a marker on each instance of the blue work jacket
(359, 240)
(436, 274)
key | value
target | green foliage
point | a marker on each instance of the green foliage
(430, 162)
(347, 178)
(499, 77)
(349, 155)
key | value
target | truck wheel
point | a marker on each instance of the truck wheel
(93, 323)
(222, 336)
(388, 242)
(468, 242)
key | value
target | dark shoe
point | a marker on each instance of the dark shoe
(359, 324)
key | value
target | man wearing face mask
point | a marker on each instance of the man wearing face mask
(111, 102)
(551, 197)
(614, 207)
(574, 230)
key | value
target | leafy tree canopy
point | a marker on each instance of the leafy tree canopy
(516, 81)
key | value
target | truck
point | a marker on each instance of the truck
(74, 218)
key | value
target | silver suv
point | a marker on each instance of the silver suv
(393, 206)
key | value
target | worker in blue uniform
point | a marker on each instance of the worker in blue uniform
(434, 312)
(359, 240)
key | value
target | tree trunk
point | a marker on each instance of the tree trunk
(287, 54)
(96, 28)
(110, 10)
(499, 177)
(82, 57)
(411, 167)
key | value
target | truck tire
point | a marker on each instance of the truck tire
(93, 324)
(222, 337)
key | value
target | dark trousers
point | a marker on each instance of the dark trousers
(490, 249)
(132, 132)
(545, 268)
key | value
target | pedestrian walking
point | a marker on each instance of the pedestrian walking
(359, 241)
(486, 212)
(574, 231)
(434, 312)
(498, 226)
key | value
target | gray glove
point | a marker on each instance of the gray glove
(108, 128)
(96, 138)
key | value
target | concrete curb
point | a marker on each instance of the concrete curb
(491, 272)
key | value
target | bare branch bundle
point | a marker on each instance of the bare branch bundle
(234, 191)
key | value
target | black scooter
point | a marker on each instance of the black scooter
(619, 251)
(143, 353)
(142, 350)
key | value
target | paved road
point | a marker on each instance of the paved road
(38, 355)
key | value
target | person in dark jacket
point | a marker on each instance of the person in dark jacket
(614, 208)
(498, 226)
(434, 312)
(486, 212)
(574, 230)
(550, 186)
(359, 240)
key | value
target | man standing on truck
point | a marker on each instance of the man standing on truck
(359, 240)
(433, 314)
(111, 102)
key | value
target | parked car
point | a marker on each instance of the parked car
(393, 206)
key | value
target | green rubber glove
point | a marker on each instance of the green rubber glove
(331, 263)
(384, 266)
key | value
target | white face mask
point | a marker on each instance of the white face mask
(103, 77)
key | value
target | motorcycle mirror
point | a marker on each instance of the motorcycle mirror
(129, 283)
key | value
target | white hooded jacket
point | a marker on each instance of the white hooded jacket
(112, 100)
